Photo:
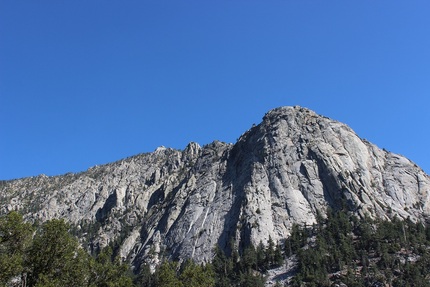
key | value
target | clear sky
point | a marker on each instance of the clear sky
(90, 82)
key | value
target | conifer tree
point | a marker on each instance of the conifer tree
(15, 238)
(261, 257)
(223, 268)
(249, 259)
(195, 275)
(54, 257)
(107, 271)
(167, 275)
(270, 252)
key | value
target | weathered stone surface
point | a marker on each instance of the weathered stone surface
(182, 203)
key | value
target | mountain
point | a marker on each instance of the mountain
(181, 204)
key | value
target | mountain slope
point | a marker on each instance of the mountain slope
(181, 204)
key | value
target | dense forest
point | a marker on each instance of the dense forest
(343, 249)
(340, 250)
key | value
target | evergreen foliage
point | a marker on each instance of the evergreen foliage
(167, 275)
(15, 238)
(344, 249)
(53, 257)
(248, 268)
(338, 249)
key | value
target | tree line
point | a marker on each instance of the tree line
(49, 255)
(339, 248)
(360, 252)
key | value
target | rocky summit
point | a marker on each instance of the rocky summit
(181, 204)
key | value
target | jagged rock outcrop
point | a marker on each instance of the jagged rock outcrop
(181, 204)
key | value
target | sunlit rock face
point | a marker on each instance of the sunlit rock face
(181, 204)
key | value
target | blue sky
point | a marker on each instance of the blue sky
(90, 82)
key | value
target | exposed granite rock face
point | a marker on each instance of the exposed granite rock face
(182, 203)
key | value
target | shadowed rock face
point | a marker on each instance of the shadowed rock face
(182, 203)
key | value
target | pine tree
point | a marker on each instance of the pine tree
(107, 271)
(145, 278)
(223, 268)
(278, 258)
(167, 275)
(261, 257)
(15, 238)
(270, 252)
(195, 275)
(249, 259)
(56, 258)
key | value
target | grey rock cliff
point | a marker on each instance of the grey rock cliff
(181, 204)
